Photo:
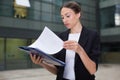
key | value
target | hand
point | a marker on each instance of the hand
(72, 45)
(36, 59)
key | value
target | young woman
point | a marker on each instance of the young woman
(81, 48)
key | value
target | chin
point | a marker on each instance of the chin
(68, 27)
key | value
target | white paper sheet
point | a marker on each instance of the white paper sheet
(48, 42)
(25, 3)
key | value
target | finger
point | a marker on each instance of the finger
(39, 59)
(30, 55)
(68, 47)
(70, 42)
(33, 58)
(36, 60)
(71, 45)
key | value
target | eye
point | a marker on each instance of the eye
(67, 16)
(62, 17)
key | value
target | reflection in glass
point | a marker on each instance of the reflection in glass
(117, 15)
(110, 16)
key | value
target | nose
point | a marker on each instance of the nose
(64, 20)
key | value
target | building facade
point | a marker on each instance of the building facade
(110, 30)
(20, 26)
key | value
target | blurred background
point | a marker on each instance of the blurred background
(21, 25)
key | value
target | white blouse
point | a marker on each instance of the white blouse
(70, 59)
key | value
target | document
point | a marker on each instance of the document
(47, 44)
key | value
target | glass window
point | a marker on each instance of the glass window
(37, 8)
(111, 47)
(103, 0)
(1, 51)
(6, 10)
(110, 17)
(117, 15)
(6, 7)
(37, 5)
(46, 16)
(56, 10)
(37, 15)
(117, 19)
(107, 17)
(48, 0)
(57, 2)
(46, 7)
(15, 57)
(57, 18)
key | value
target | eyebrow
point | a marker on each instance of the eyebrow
(66, 13)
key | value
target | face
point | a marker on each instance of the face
(69, 17)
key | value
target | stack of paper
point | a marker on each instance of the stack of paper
(47, 43)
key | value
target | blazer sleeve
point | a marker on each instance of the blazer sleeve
(95, 49)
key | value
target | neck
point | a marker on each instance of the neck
(77, 28)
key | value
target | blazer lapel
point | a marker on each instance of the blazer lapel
(83, 37)
(82, 41)
(65, 36)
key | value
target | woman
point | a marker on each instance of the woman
(81, 48)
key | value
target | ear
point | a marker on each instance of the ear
(79, 15)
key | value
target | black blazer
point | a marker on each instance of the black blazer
(90, 41)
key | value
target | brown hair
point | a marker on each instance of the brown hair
(75, 6)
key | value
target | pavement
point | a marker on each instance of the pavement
(105, 72)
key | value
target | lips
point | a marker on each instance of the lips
(66, 24)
